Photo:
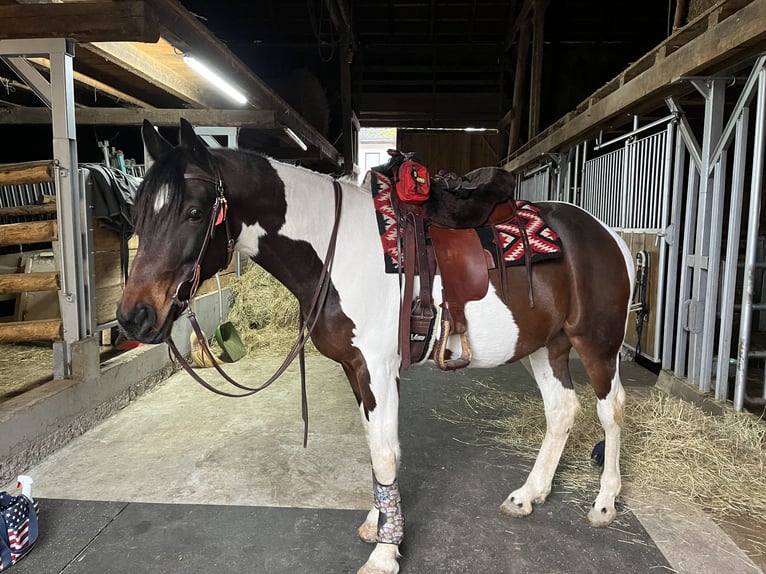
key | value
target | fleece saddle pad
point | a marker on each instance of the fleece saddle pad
(544, 242)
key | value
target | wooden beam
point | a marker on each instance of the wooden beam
(136, 60)
(729, 42)
(100, 86)
(30, 232)
(129, 21)
(43, 330)
(519, 80)
(35, 281)
(260, 119)
(28, 210)
(27, 172)
(536, 77)
(178, 23)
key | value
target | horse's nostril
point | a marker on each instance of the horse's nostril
(138, 321)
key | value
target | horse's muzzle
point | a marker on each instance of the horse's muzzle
(138, 324)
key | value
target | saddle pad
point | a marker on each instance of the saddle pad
(381, 195)
(544, 243)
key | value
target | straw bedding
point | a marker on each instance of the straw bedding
(716, 463)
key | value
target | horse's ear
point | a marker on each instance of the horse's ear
(154, 144)
(198, 148)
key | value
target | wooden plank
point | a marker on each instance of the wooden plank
(127, 21)
(27, 233)
(18, 331)
(518, 87)
(258, 119)
(536, 77)
(27, 172)
(37, 281)
(81, 78)
(725, 43)
(28, 210)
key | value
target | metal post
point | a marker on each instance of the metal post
(756, 182)
(75, 270)
(662, 224)
(732, 249)
(702, 307)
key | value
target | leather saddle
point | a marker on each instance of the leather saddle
(442, 233)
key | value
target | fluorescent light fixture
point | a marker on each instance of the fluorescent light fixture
(215, 79)
(474, 129)
(295, 138)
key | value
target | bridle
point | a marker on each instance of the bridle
(218, 217)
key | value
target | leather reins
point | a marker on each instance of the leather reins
(307, 323)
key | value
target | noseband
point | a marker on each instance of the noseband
(218, 216)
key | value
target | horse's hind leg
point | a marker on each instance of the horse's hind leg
(551, 369)
(604, 372)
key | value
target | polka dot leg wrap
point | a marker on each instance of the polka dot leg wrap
(388, 501)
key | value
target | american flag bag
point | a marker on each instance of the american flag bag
(18, 528)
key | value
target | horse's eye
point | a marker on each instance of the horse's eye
(195, 214)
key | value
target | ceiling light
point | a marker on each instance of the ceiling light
(295, 138)
(215, 79)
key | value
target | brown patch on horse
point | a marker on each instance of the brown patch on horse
(334, 331)
(566, 300)
(333, 338)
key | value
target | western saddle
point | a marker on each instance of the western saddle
(441, 232)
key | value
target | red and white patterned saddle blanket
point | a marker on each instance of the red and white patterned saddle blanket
(544, 242)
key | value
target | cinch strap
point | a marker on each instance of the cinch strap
(388, 501)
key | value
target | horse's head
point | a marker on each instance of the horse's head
(183, 238)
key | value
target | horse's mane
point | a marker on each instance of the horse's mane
(165, 176)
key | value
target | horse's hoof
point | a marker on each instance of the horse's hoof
(368, 533)
(516, 507)
(601, 517)
(374, 570)
(382, 560)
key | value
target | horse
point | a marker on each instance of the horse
(196, 205)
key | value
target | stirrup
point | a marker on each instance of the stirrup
(441, 348)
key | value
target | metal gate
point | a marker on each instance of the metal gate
(629, 189)
(715, 182)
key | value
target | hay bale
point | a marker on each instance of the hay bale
(716, 463)
(264, 313)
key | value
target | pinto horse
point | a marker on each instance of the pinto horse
(195, 205)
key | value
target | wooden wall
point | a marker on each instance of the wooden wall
(454, 151)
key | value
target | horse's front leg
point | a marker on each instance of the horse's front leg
(384, 524)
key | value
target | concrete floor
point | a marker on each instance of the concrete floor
(182, 480)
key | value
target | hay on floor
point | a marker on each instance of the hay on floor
(264, 313)
(716, 463)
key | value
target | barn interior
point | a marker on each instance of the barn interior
(649, 114)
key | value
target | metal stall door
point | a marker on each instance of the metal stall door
(535, 185)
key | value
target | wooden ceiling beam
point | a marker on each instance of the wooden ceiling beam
(129, 21)
(185, 31)
(257, 119)
(132, 58)
(95, 84)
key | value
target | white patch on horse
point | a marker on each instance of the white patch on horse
(248, 239)
(492, 330)
(162, 198)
